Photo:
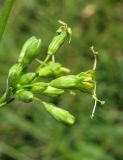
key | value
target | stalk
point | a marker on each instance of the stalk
(4, 16)
(3, 21)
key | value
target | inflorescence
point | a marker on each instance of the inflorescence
(25, 86)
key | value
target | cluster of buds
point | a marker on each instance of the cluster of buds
(25, 86)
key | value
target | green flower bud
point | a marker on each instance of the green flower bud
(48, 70)
(69, 81)
(59, 114)
(52, 69)
(14, 75)
(87, 83)
(61, 35)
(24, 96)
(29, 51)
(39, 87)
(52, 92)
(27, 78)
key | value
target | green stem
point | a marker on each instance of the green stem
(44, 62)
(4, 102)
(38, 100)
(4, 16)
(3, 21)
(42, 65)
(6, 98)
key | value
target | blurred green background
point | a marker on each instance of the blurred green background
(27, 132)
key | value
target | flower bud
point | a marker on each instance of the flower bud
(61, 35)
(29, 51)
(69, 81)
(27, 78)
(48, 70)
(52, 92)
(14, 75)
(59, 114)
(87, 83)
(52, 69)
(39, 87)
(24, 96)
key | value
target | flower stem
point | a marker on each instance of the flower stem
(4, 16)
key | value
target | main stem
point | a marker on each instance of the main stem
(4, 16)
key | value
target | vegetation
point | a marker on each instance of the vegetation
(29, 133)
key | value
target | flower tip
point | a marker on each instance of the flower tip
(70, 121)
(62, 22)
(65, 70)
(102, 102)
(92, 116)
(93, 50)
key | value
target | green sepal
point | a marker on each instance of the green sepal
(69, 81)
